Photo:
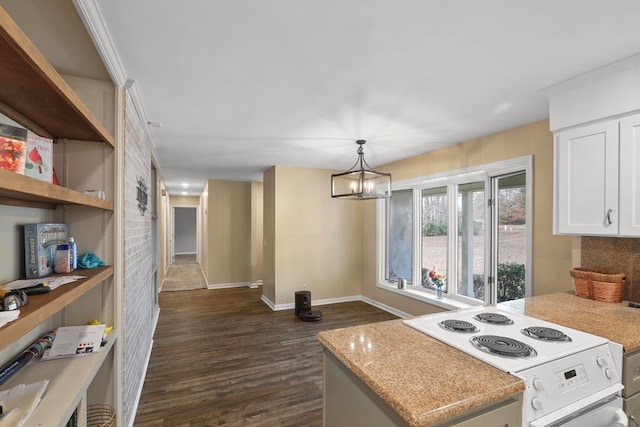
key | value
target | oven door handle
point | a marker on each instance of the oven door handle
(621, 419)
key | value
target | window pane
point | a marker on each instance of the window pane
(434, 237)
(400, 236)
(471, 210)
(512, 251)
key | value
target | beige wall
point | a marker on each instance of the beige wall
(269, 235)
(184, 200)
(229, 232)
(551, 254)
(203, 240)
(257, 203)
(311, 238)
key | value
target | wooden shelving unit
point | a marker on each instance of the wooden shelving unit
(20, 190)
(33, 94)
(43, 306)
(68, 380)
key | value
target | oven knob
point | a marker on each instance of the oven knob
(610, 373)
(601, 361)
(536, 403)
(537, 384)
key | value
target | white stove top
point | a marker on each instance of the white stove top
(545, 351)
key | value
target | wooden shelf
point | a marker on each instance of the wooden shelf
(20, 190)
(35, 95)
(42, 307)
(68, 382)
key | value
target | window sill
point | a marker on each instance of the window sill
(446, 302)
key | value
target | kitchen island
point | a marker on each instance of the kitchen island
(409, 378)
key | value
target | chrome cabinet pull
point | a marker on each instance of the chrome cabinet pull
(609, 216)
(632, 418)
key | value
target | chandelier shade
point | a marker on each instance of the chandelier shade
(361, 182)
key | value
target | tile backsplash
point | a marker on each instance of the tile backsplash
(615, 255)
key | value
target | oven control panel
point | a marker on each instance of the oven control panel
(571, 378)
(558, 383)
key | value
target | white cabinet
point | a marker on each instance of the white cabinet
(596, 179)
(630, 176)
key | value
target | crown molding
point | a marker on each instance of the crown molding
(89, 13)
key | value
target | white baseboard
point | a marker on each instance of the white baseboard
(385, 307)
(254, 285)
(139, 392)
(229, 285)
(291, 305)
(267, 301)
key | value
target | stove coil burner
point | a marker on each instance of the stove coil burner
(493, 318)
(546, 334)
(458, 326)
(502, 346)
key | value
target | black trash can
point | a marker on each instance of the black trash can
(303, 301)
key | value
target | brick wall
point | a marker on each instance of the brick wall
(138, 282)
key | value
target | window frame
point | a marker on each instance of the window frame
(451, 180)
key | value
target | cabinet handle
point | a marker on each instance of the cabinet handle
(609, 216)
(632, 418)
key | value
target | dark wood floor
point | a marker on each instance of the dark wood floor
(223, 358)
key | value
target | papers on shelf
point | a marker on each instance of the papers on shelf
(19, 402)
(75, 341)
(8, 316)
(52, 282)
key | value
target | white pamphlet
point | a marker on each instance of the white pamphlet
(76, 340)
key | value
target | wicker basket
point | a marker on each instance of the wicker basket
(101, 415)
(598, 285)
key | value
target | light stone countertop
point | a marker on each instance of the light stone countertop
(421, 379)
(616, 322)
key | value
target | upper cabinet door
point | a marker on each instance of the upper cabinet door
(586, 180)
(630, 176)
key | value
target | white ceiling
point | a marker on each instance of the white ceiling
(242, 85)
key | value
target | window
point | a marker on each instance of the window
(434, 235)
(473, 233)
(471, 207)
(400, 236)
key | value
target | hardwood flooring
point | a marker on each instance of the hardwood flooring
(223, 358)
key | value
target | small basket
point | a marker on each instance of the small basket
(598, 285)
(101, 415)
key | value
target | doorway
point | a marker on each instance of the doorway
(184, 248)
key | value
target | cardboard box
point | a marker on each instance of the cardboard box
(12, 148)
(39, 158)
(40, 243)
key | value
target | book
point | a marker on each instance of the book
(39, 157)
(40, 243)
(13, 148)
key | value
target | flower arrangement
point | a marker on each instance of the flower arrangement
(438, 279)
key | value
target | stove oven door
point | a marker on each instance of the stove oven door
(604, 413)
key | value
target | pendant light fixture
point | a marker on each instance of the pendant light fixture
(361, 182)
